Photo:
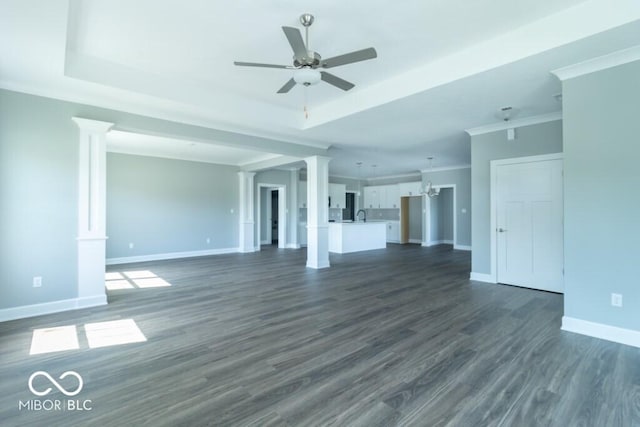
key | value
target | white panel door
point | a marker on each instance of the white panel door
(529, 225)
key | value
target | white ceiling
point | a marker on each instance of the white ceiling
(443, 66)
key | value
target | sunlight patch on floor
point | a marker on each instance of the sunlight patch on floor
(116, 332)
(141, 279)
(118, 284)
(49, 340)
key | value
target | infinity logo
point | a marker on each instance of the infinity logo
(55, 383)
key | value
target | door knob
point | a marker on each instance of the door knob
(501, 230)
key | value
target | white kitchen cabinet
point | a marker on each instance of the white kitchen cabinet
(371, 197)
(381, 197)
(392, 197)
(302, 194)
(410, 188)
(393, 231)
(338, 195)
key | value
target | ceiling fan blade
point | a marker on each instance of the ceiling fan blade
(336, 81)
(287, 86)
(295, 40)
(256, 64)
(350, 58)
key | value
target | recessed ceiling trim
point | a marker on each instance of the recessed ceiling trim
(600, 63)
(566, 26)
(527, 121)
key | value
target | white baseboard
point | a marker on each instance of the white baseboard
(170, 255)
(462, 247)
(265, 242)
(482, 277)
(435, 242)
(293, 246)
(414, 241)
(599, 330)
(33, 310)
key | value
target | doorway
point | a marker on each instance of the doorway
(274, 217)
(411, 219)
(349, 212)
(271, 215)
(527, 222)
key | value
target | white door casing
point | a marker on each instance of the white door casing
(529, 223)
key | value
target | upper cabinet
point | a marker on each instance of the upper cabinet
(338, 196)
(392, 197)
(381, 197)
(371, 197)
(410, 188)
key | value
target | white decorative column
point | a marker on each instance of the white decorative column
(294, 181)
(92, 224)
(317, 211)
(247, 243)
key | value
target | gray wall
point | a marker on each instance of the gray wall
(415, 218)
(445, 214)
(434, 211)
(38, 188)
(165, 206)
(602, 240)
(38, 200)
(461, 178)
(544, 138)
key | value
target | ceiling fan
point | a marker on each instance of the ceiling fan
(306, 62)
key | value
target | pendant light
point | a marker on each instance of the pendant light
(427, 188)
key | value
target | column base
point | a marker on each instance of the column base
(318, 246)
(246, 237)
(91, 268)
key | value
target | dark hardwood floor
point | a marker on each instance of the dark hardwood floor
(382, 338)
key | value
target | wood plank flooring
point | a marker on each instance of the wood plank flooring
(383, 338)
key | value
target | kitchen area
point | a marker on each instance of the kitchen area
(367, 218)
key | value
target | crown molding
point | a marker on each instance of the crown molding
(598, 64)
(406, 175)
(446, 168)
(347, 177)
(512, 124)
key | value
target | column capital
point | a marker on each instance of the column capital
(90, 125)
(319, 159)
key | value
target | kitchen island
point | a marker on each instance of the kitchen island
(346, 237)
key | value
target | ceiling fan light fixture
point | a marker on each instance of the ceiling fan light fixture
(306, 76)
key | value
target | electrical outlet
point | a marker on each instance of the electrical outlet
(37, 281)
(616, 300)
(130, 245)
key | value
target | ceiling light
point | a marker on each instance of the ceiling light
(306, 76)
(507, 113)
(427, 188)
